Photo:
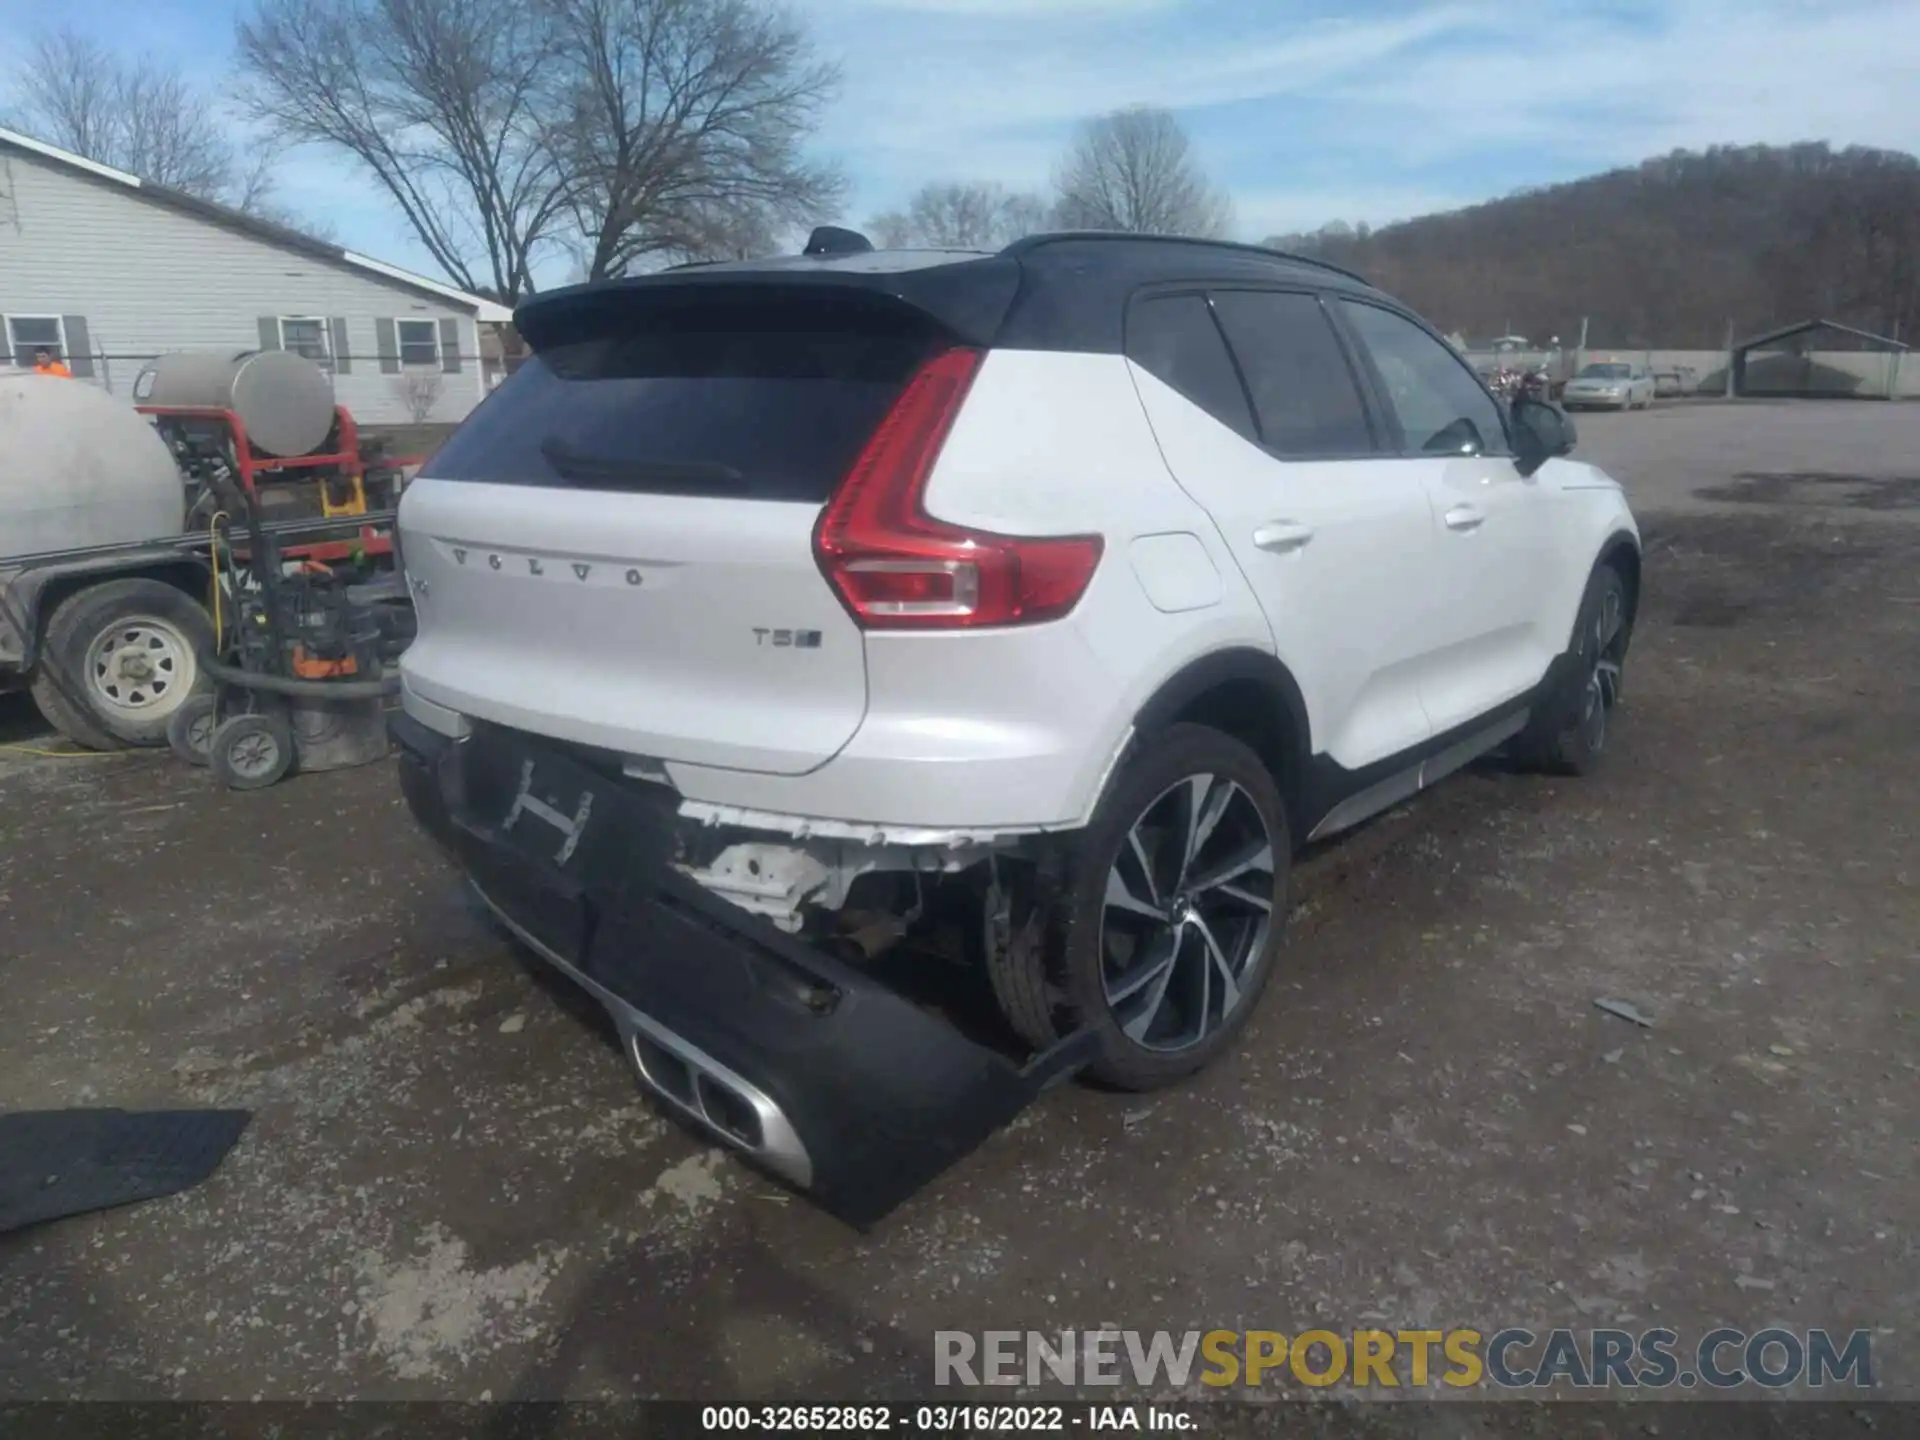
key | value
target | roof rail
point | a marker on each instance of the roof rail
(1027, 244)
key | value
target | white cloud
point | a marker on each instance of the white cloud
(1708, 72)
(915, 90)
(1428, 106)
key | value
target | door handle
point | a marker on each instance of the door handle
(1464, 517)
(1280, 536)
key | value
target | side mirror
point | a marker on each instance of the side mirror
(1540, 432)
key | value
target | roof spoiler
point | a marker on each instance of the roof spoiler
(966, 301)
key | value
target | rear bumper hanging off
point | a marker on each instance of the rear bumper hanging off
(821, 1073)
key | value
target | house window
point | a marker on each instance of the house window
(419, 342)
(28, 333)
(306, 335)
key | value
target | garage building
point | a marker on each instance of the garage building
(1819, 359)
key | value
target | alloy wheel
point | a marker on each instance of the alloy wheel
(1603, 681)
(1187, 913)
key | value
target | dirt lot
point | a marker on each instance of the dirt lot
(452, 1189)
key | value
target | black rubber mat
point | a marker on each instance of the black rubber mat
(55, 1163)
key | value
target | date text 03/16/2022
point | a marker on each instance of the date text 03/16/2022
(944, 1419)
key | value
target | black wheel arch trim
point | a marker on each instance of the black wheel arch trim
(1624, 545)
(1243, 664)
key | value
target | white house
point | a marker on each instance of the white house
(107, 271)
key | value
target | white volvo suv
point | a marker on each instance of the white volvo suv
(774, 611)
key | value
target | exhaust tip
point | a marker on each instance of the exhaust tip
(736, 1110)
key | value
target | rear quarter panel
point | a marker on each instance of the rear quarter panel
(1057, 443)
(1017, 728)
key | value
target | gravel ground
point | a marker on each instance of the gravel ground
(451, 1188)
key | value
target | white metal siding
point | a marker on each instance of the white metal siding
(149, 278)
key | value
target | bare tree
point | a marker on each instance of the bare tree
(135, 115)
(419, 391)
(1135, 170)
(446, 103)
(684, 127)
(961, 215)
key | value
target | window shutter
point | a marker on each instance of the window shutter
(389, 346)
(450, 345)
(342, 355)
(79, 356)
(269, 332)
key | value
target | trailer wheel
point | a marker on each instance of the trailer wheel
(119, 660)
(190, 731)
(251, 752)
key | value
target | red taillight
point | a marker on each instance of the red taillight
(896, 567)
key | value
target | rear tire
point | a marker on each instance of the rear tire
(119, 660)
(1166, 933)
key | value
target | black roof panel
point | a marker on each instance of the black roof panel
(1075, 285)
(1047, 292)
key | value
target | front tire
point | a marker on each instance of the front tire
(1174, 909)
(1569, 737)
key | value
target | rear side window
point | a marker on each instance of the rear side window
(1174, 339)
(1441, 408)
(1304, 393)
(744, 412)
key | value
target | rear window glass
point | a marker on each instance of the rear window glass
(746, 413)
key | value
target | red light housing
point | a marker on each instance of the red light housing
(895, 567)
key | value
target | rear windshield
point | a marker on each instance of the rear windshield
(1604, 372)
(753, 413)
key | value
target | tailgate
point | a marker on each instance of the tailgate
(617, 547)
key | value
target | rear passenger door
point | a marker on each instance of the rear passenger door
(1491, 524)
(1272, 437)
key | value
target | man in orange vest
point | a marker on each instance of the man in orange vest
(45, 364)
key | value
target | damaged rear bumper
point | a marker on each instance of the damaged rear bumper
(822, 1074)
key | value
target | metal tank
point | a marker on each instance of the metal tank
(284, 399)
(79, 467)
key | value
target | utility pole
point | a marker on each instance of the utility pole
(1728, 392)
(1580, 350)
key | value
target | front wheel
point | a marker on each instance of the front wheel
(1174, 909)
(1570, 735)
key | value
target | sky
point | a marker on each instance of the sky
(1306, 111)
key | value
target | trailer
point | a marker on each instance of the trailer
(111, 640)
(120, 568)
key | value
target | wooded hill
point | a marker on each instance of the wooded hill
(1666, 253)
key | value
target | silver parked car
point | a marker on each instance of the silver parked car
(1679, 380)
(1610, 385)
